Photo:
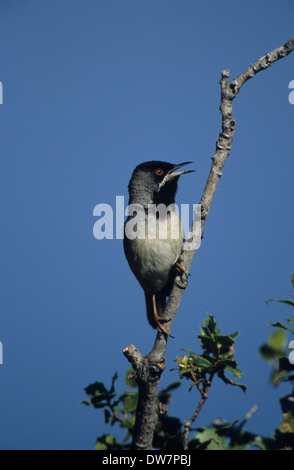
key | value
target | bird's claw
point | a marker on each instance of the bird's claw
(182, 281)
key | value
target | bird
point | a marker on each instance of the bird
(153, 233)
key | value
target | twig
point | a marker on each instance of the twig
(229, 91)
(204, 390)
(246, 418)
(148, 368)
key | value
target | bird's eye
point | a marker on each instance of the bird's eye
(159, 171)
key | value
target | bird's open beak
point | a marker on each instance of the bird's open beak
(172, 174)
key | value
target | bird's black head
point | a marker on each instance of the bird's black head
(155, 182)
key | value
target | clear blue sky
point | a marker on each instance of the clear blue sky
(91, 88)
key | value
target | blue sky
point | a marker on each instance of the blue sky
(91, 88)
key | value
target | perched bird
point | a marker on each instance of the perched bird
(153, 237)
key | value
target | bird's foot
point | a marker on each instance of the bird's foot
(180, 269)
(183, 282)
(160, 327)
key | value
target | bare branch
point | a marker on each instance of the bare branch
(229, 91)
(147, 375)
(134, 356)
(246, 418)
(263, 63)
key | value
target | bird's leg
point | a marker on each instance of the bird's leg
(158, 319)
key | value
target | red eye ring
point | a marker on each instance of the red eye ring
(159, 171)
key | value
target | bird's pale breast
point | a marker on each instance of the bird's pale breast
(155, 250)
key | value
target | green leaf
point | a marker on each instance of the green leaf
(209, 344)
(205, 435)
(107, 415)
(170, 387)
(280, 325)
(235, 371)
(106, 442)
(100, 446)
(231, 382)
(114, 378)
(287, 425)
(277, 340)
(193, 361)
(191, 353)
(127, 424)
(210, 328)
(284, 435)
(287, 301)
(99, 395)
(201, 363)
(129, 378)
(267, 352)
(165, 394)
(224, 340)
(130, 401)
(221, 365)
(235, 334)
(275, 348)
(86, 402)
(95, 389)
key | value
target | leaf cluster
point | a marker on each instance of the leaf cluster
(117, 408)
(231, 436)
(276, 350)
(121, 409)
(217, 357)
